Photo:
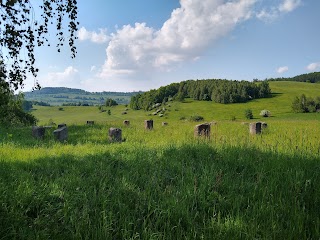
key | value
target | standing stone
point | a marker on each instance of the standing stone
(61, 134)
(164, 124)
(202, 130)
(126, 122)
(38, 132)
(115, 135)
(90, 122)
(255, 128)
(62, 125)
(148, 124)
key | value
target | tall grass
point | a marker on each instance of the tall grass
(164, 183)
(161, 184)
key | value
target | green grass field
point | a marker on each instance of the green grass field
(164, 183)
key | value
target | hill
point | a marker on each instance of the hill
(279, 104)
(165, 183)
(216, 90)
(72, 96)
(307, 77)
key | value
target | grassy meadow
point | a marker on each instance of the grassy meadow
(164, 183)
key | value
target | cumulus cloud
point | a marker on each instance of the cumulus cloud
(313, 66)
(192, 27)
(100, 37)
(282, 69)
(69, 77)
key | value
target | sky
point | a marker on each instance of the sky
(141, 45)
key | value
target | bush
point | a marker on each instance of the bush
(248, 114)
(304, 104)
(196, 118)
(265, 113)
(110, 102)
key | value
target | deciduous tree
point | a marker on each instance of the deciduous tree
(21, 31)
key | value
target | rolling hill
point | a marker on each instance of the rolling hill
(70, 96)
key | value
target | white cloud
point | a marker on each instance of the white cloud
(274, 12)
(289, 5)
(69, 78)
(192, 28)
(313, 66)
(100, 37)
(268, 15)
(282, 69)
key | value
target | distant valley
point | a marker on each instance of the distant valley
(69, 96)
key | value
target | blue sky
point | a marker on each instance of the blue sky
(140, 45)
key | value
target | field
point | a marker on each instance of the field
(164, 183)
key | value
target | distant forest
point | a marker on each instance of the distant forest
(308, 77)
(75, 97)
(217, 90)
(62, 90)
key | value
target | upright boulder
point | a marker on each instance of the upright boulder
(62, 125)
(90, 122)
(164, 124)
(148, 124)
(202, 130)
(115, 135)
(126, 122)
(61, 134)
(255, 128)
(38, 132)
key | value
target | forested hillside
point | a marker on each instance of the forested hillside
(220, 91)
(71, 96)
(307, 77)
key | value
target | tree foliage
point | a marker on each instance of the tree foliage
(304, 104)
(110, 102)
(308, 77)
(21, 33)
(11, 108)
(248, 114)
(265, 113)
(220, 91)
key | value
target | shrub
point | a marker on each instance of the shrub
(196, 118)
(248, 114)
(110, 102)
(265, 113)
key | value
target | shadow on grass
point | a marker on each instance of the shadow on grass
(274, 94)
(97, 134)
(172, 192)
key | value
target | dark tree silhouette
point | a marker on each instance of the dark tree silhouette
(21, 32)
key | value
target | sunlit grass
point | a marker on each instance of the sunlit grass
(163, 183)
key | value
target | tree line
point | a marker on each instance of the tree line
(308, 77)
(217, 90)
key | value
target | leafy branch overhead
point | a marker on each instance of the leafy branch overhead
(21, 32)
